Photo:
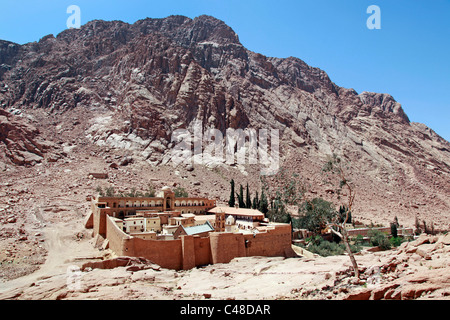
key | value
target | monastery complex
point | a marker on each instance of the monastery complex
(183, 233)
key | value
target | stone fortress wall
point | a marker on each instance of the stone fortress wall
(190, 251)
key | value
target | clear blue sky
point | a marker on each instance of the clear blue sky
(409, 57)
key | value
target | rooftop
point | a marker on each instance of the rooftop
(237, 211)
(205, 217)
(198, 229)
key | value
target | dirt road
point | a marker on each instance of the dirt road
(63, 252)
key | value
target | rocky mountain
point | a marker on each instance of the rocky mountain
(127, 87)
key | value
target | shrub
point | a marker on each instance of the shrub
(100, 191)
(150, 191)
(326, 248)
(359, 240)
(379, 239)
(110, 192)
(396, 241)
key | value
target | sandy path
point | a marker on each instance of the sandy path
(63, 252)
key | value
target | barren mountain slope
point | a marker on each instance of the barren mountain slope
(131, 85)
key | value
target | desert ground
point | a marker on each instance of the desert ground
(47, 239)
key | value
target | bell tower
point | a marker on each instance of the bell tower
(169, 199)
(220, 222)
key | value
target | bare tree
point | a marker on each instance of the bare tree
(335, 167)
(293, 191)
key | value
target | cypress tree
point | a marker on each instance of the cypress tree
(394, 232)
(255, 203)
(263, 204)
(241, 197)
(248, 201)
(232, 201)
(417, 224)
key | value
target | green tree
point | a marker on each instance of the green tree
(425, 228)
(99, 191)
(263, 203)
(132, 193)
(110, 191)
(248, 201)
(150, 191)
(394, 232)
(359, 239)
(315, 215)
(418, 229)
(255, 202)
(180, 192)
(278, 212)
(232, 201)
(241, 197)
(396, 222)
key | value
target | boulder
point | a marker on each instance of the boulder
(121, 262)
(445, 239)
(126, 161)
(363, 294)
(379, 293)
(114, 165)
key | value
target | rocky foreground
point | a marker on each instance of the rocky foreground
(416, 270)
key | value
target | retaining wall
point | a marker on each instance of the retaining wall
(191, 251)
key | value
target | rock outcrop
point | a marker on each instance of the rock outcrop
(132, 264)
(418, 269)
(20, 142)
